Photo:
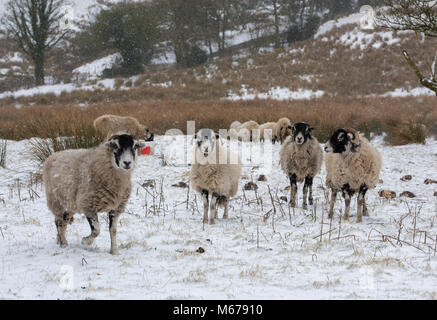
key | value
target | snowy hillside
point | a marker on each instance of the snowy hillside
(252, 255)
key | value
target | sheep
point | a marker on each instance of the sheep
(352, 165)
(283, 129)
(248, 131)
(268, 126)
(109, 124)
(90, 181)
(301, 158)
(216, 171)
(233, 130)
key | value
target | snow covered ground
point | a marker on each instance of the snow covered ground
(275, 93)
(252, 255)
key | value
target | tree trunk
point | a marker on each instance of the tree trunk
(277, 33)
(39, 69)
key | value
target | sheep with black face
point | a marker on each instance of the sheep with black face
(352, 165)
(90, 181)
(215, 173)
(301, 159)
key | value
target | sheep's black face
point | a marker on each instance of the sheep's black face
(205, 141)
(123, 149)
(339, 142)
(301, 132)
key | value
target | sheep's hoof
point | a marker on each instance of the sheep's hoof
(225, 216)
(63, 244)
(346, 217)
(359, 219)
(304, 206)
(87, 241)
(292, 204)
(211, 221)
(310, 201)
(114, 252)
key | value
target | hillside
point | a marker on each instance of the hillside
(357, 74)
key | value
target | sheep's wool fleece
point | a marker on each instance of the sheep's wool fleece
(267, 126)
(282, 123)
(302, 160)
(111, 124)
(245, 131)
(354, 168)
(221, 178)
(82, 181)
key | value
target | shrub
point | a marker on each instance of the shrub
(301, 33)
(195, 57)
(410, 132)
(131, 28)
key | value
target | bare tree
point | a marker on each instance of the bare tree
(34, 27)
(414, 15)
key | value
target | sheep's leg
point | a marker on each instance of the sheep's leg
(205, 195)
(93, 220)
(293, 190)
(331, 207)
(225, 213)
(347, 200)
(61, 226)
(361, 203)
(213, 208)
(113, 220)
(307, 187)
(365, 211)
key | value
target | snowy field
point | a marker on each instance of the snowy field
(255, 254)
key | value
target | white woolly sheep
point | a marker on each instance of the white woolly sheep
(233, 130)
(248, 131)
(109, 124)
(301, 158)
(216, 172)
(352, 165)
(90, 181)
(268, 126)
(283, 129)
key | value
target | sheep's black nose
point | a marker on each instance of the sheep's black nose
(326, 148)
(127, 163)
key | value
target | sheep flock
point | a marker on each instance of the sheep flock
(99, 179)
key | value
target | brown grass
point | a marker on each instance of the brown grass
(405, 120)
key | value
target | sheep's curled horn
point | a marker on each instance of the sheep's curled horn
(354, 135)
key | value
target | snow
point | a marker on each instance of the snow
(58, 89)
(94, 69)
(248, 256)
(401, 92)
(331, 24)
(276, 93)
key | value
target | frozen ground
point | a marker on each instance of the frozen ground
(252, 255)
